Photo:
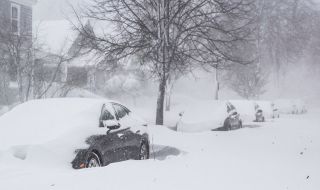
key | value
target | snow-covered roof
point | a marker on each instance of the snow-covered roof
(58, 36)
(87, 60)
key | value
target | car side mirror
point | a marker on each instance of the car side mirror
(111, 124)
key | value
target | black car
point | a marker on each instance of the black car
(120, 142)
(79, 132)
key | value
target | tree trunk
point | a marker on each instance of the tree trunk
(160, 101)
(168, 101)
(20, 84)
(216, 96)
(168, 94)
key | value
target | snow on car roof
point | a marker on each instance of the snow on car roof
(245, 108)
(39, 121)
(203, 115)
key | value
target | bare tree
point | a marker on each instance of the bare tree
(247, 80)
(168, 36)
(283, 32)
(16, 53)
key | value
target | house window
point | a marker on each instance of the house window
(15, 15)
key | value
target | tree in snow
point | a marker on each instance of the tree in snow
(247, 80)
(283, 32)
(168, 36)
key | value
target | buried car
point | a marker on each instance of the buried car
(233, 120)
(207, 116)
(259, 113)
(85, 132)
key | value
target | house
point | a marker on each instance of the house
(18, 13)
(15, 47)
(85, 68)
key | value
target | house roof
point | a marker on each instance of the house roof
(58, 36)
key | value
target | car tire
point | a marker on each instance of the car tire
(93, 161)
(144, 151)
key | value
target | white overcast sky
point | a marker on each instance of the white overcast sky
(52, 9)
(56, 9)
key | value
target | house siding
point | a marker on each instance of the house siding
(25, 15)
(26, 19)
(4, 9)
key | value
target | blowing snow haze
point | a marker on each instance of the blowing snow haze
(159, 94)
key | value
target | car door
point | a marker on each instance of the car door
(131, 134)
(112, 146)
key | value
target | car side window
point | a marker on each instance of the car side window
(121, 111)
(106, 115)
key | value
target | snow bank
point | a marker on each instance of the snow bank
(3, 109)
(278, 155)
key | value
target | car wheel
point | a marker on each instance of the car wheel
(93, 161)
(144, 151)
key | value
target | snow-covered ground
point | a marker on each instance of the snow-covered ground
(280, 154)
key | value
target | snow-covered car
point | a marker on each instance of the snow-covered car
(85, 132)
(233, 120)
(275, 111)
(300, 106)
(207, 116)
(246, 109)
(291, 106)
(268, 108)
(259, 116)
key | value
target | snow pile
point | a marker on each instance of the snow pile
(3, 109)
(266, 107)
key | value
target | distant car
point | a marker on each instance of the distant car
(259, 114)
(99, 132)
(233, 120)
(299, 106)
(291, 106)
(275, 111)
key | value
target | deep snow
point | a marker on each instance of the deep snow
(280, 154)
